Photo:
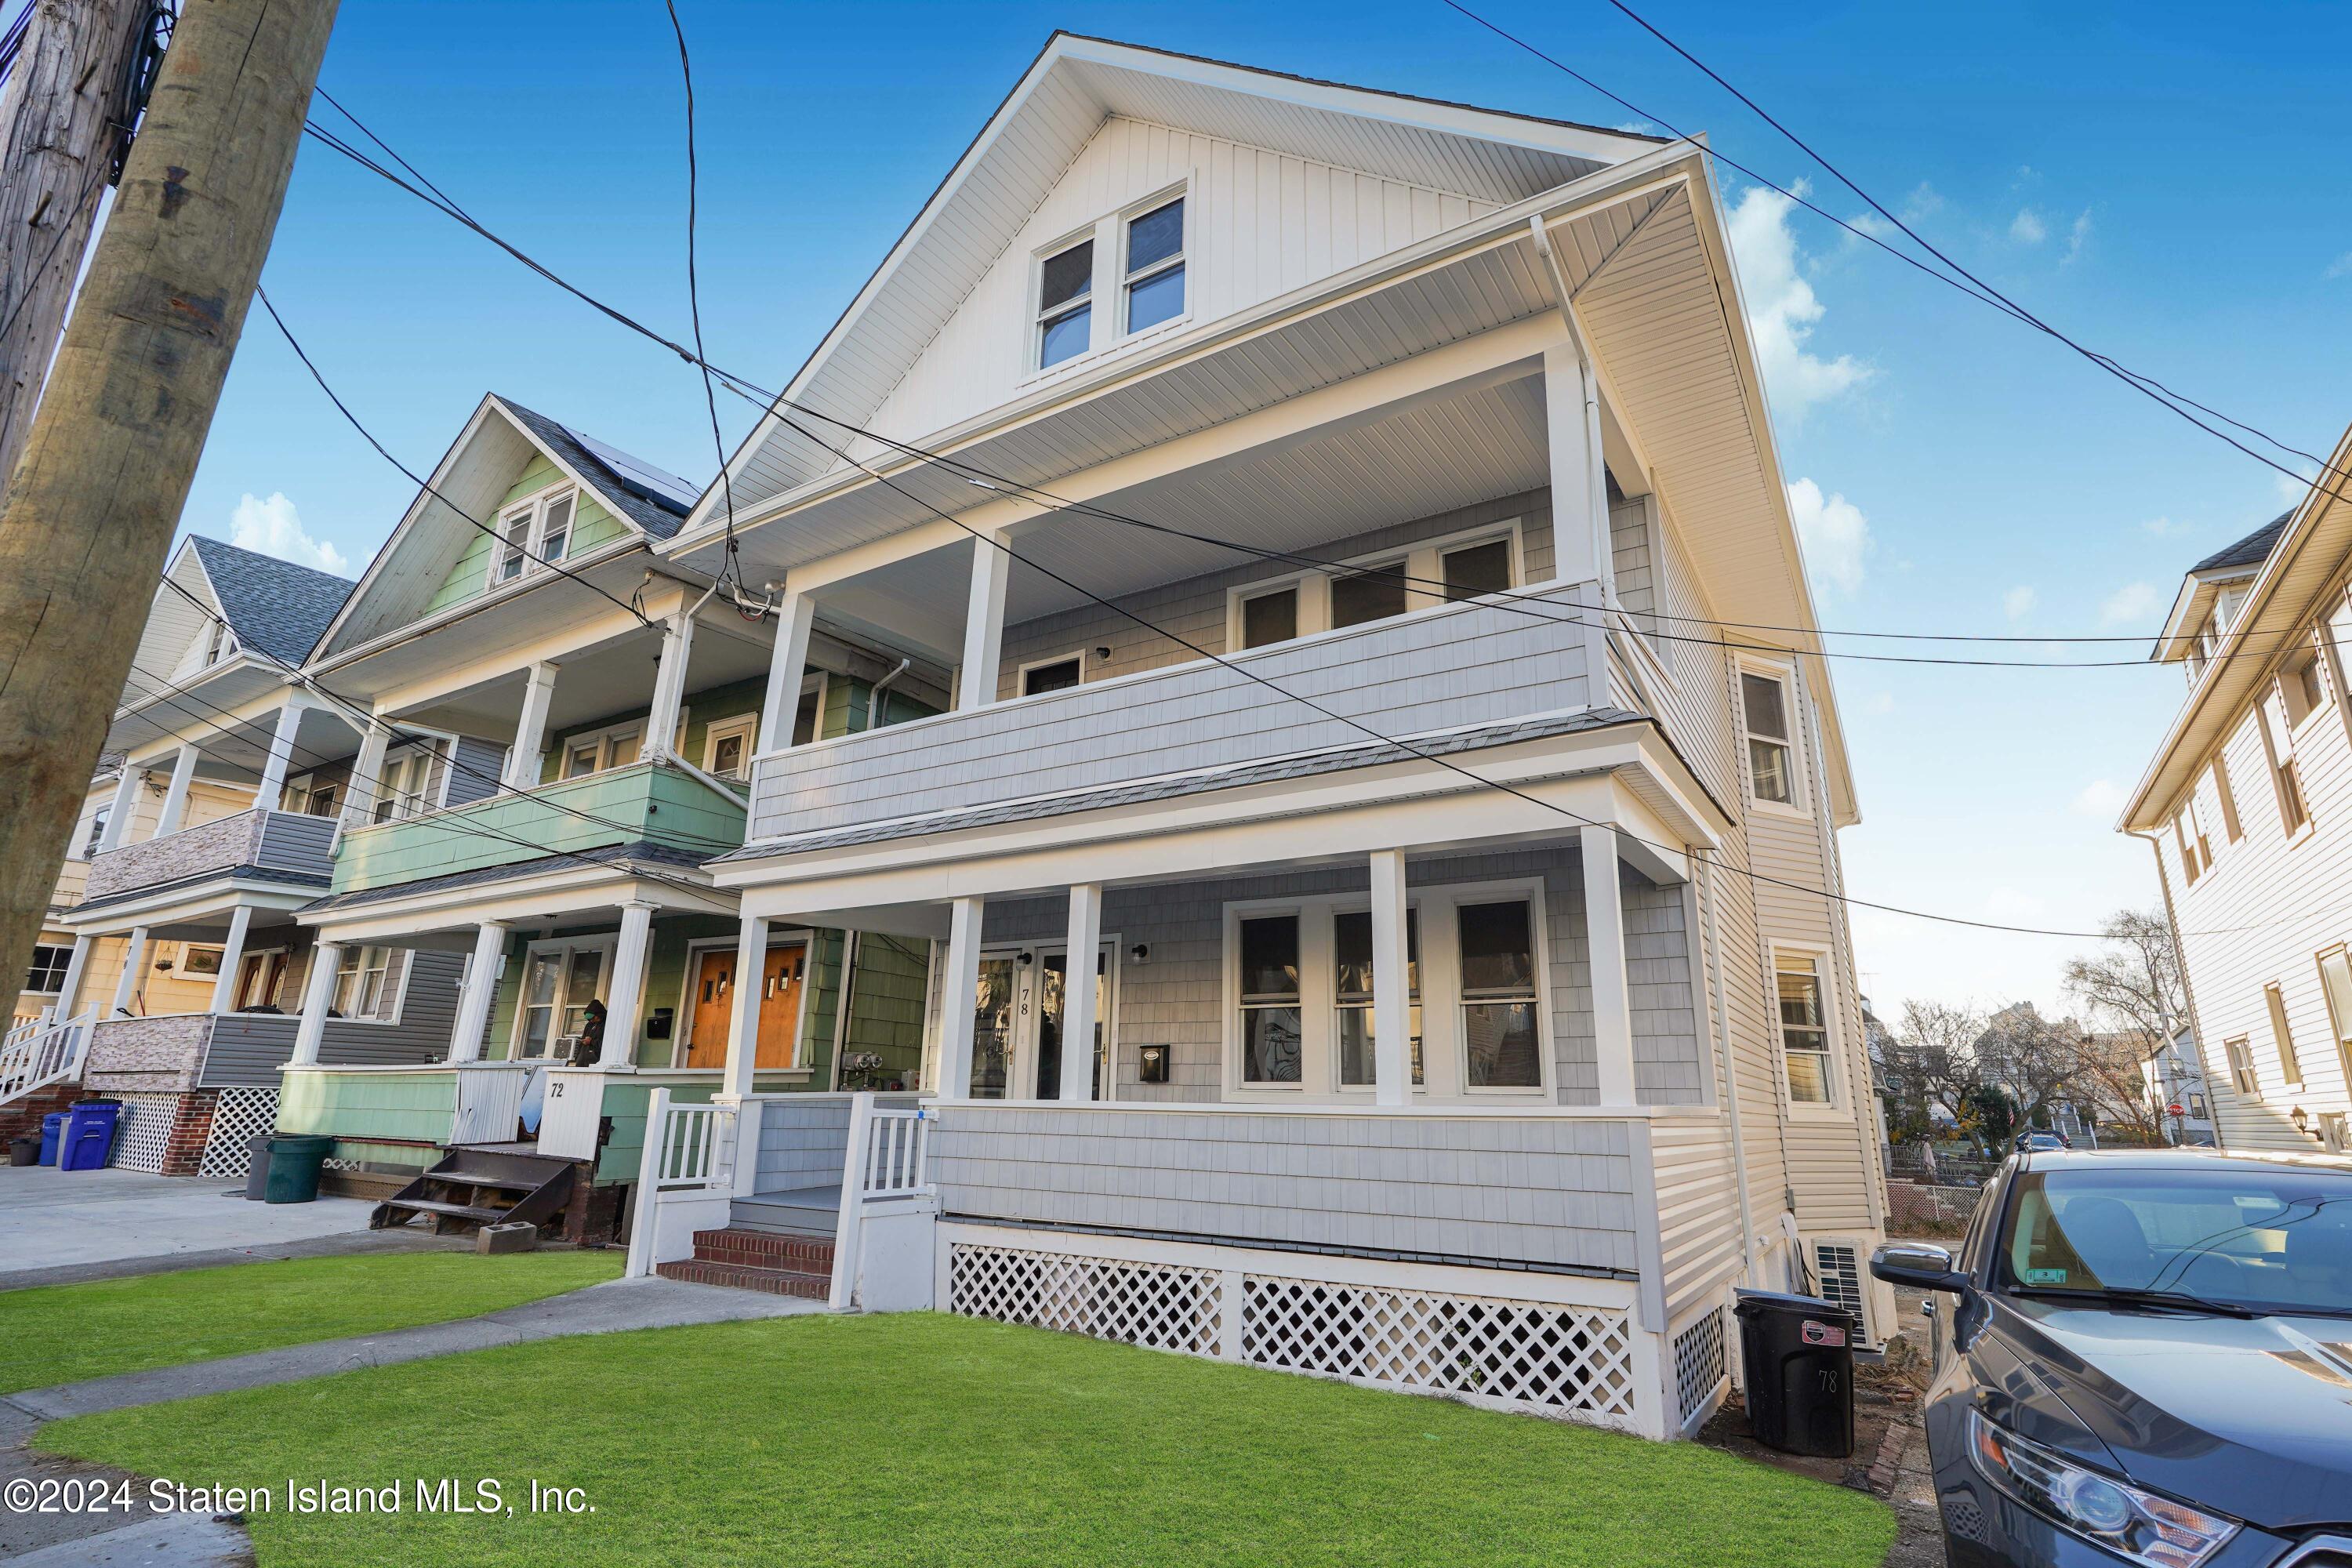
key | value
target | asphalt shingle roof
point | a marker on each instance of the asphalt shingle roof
(657, 514)
(274, 606)
(2250, 551)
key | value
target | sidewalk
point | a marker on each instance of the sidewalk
(61, 1227)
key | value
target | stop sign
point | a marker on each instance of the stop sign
(2172, 1111)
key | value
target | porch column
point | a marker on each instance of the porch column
(232, 954)
(367, 774)
(1078, 991)
(1580, 484)
(669, 686)
(626, 994)
(70, 988)
(787, 666)
(134, 959)
(271, 792)
(743, 1020)
(1605, 932)
(126, 802)
(1392, 984)
(318, 994)
(482, 989)
(530, 728)
(960, 998)
(983, 625)
(175, 798)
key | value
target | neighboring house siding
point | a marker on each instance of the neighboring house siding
(247, 1048)
(592, 525)
(475, 774)
(1261, 224)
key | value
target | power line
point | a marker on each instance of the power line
(729, 565)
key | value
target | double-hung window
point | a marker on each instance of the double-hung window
(2278, 737)
(1351, 979)
(1501, 1043)
(538, 529)
(2335, 981)
(1066, 304)
(1271, 1033)
(1055, 675)
(364, 985)
(602, 751)
(97, 829)
(1154, 281)
(2196, 849)
(2282, 1035)
(513, 545)
(1771, 736)
(400, 785)
(1270, 618)
(1804, 1028)
(1477, 569)
(2241, 1068)
(47, 973)
(1372, 593)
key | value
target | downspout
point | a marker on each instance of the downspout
(1708, 889)
(874, 692)
(2188, 991)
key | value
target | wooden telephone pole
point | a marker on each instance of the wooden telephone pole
(91, 506)
(60, 128)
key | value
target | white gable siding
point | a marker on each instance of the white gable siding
(1262, 224)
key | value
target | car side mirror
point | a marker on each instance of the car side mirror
(1917, 1265)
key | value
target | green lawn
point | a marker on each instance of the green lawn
(929, 1439)
(64, 1333)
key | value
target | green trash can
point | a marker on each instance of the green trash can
(294, 1161)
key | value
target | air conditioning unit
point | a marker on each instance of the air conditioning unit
(1839, 1264)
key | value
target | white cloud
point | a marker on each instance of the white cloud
(2077, 238)
(1834, 534)
(2339, 268)
(273, 527)
(2290, 488)
(1923, 200)
(2026, 227)
(1783, 308)
(2131, 602)
(2019, 601)
(2102, 798)
(2165, 527)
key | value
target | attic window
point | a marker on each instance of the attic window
(1066, 304)
(218, 643)
(538, 530)
(1155, 266)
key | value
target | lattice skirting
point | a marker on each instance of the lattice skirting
(1701, 1362)
(143, 1135)
(239, 1116)
(1547, 1357)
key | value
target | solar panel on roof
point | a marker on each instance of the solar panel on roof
(644, 475)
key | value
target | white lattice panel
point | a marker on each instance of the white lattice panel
(239, 1116)
(143, 1133)
(1699, 1363)
(1164, 1306)
(1526, 1353)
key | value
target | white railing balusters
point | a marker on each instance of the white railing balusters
(42, 1051)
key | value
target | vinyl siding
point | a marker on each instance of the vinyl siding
(593, 524)
(247, 1048)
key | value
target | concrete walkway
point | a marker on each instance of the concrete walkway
(53, 1220)
(89, 1540)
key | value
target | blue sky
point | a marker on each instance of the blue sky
(2165, 189)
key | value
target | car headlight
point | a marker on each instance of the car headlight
(2145, 1528)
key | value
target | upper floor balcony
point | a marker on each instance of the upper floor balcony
(280, 844)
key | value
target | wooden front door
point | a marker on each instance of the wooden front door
(779, 1006)
(714, 1007)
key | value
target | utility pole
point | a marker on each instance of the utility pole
(62, 123)
(91, 506)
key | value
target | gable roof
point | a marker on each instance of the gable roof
(1074, 85)
(274, 606)
(2250, 551)
(653, 498)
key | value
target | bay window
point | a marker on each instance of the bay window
(1501, 1044)
(1765, 711)
(1271, 1032)
(1351, 979)
(1804, 1028)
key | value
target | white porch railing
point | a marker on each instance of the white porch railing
(41, 1051)
(686, 1178)
(897, 1143)
(885, 1162)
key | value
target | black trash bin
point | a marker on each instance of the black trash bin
(1797, 1352)
(294, 1161)
(256, 1168)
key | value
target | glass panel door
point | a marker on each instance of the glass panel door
(540, 982)
(1053, 985)
(580, 986)
(992, 1030)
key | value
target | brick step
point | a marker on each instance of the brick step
(765, 1250)
(745, 1277)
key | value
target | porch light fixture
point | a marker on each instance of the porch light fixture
(1103, 652)
(2301, 1119)
(1025, 958)
(1140, 952)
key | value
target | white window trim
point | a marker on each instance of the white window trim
(602, 739)
(532, 508)
(1839, 1106)
(1028, 1029)
(1799, 807)
(1106, 293)
(64, 947)
(744, 727)
(1444, 1069)
(1021, 676)
(606, 942)
(1424, 569)
(399, 986)
(2270, 693)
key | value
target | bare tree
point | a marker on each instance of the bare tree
(2132, 984)
(2034, 1061)
(1935, 1052)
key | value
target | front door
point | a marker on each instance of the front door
(1016, 1035)
(714, 1007)
(1053, 982)
(780, 1004)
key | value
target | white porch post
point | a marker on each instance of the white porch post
(530, 728)
(271, 792)
(70, 989)
(1604, 931)
(669, 686)
(1392, 985)
(482, 989)
(367, 773)
(1579, 488)
(625, 996)
(960, 998)
(326, 958)
(175, 798)
(134, 959)
(126, 801)
(743, 1022)
(787, 666)
(983, 625)
(232, 954)
(1078, 991)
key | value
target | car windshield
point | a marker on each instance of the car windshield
(2269, 1239)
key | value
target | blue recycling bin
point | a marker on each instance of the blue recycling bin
(53, 1132)
(89, 1135)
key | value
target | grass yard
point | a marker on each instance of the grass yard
(931, 1439)
(64, 1333)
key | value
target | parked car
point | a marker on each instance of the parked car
(2029, 1141)
(2144, 1357)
